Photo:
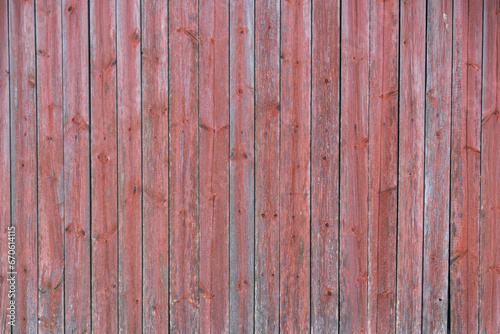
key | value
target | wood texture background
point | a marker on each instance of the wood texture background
(214, 166)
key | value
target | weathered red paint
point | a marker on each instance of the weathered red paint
(465, 165)
(325, 164)
(214, 166)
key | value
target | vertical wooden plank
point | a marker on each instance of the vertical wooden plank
(104, 166)
(184, 216)
(50, 167)
(465, 165)
(437, 166)
(295, 163)
(23, 160)
(489, 314)
(5, 227)
(76, 166)
(411, 166)
(241, 182)
(325, 166)
(267, 148)
(155, 136)
(214, 162)
(383, 165)
(354, 167)
(129, 167)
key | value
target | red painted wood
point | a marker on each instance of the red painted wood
(325, 166)
(437, 166)
(4, 165)
(129, 166)
(465, 165)
(155, 134)
(354, 167)
(241, 182)
(295, 187)
(23, 160)
(184, 182)
(411, 166)
(214, 166)
(75, 67)
(383, 165)
(50, 167)
(489, 313)
(104, 166)
(267, 157)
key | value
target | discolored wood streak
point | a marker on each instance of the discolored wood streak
(184, 167)
(50, 167)
(325, 165)
(213, 129)
(437, 166)
(241, 166)
(155, 139)
(75, 64)
(489, 313)
(23, 145)
(354, 167)
(383, 164)
(104, 226)
(4, 164)
(295, 188)
(129, 166)
(411, 166)
(465, 165)
(267, 157)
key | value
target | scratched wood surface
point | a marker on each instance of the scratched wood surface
(250, 166)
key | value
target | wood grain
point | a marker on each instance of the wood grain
(104, 166)
(295, 165)
(76, 110)
(411, 166)
(489, 313)
(354, 167)
(50, 167)
(24, 160)
(383, 164)
(241, 166)
(214, 166)
(184, 181)
(129, 166)
(437, 166)
(155, 164)
(325, 164)
(465, 165)
(267, 172)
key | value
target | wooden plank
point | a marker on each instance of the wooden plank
(76, 166)
(50, 167)
(411, 166)
(155, 90)
(295, 299)
(489, 314)
(23, 160)
(325, 166)
(383, 164)
(267, 157)
(354, 167)
(5, 221)
(214, 162)
(129, 166)
(437, 166)
(184, 217)
(104, 166)
(241, 181)
(465, 165)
